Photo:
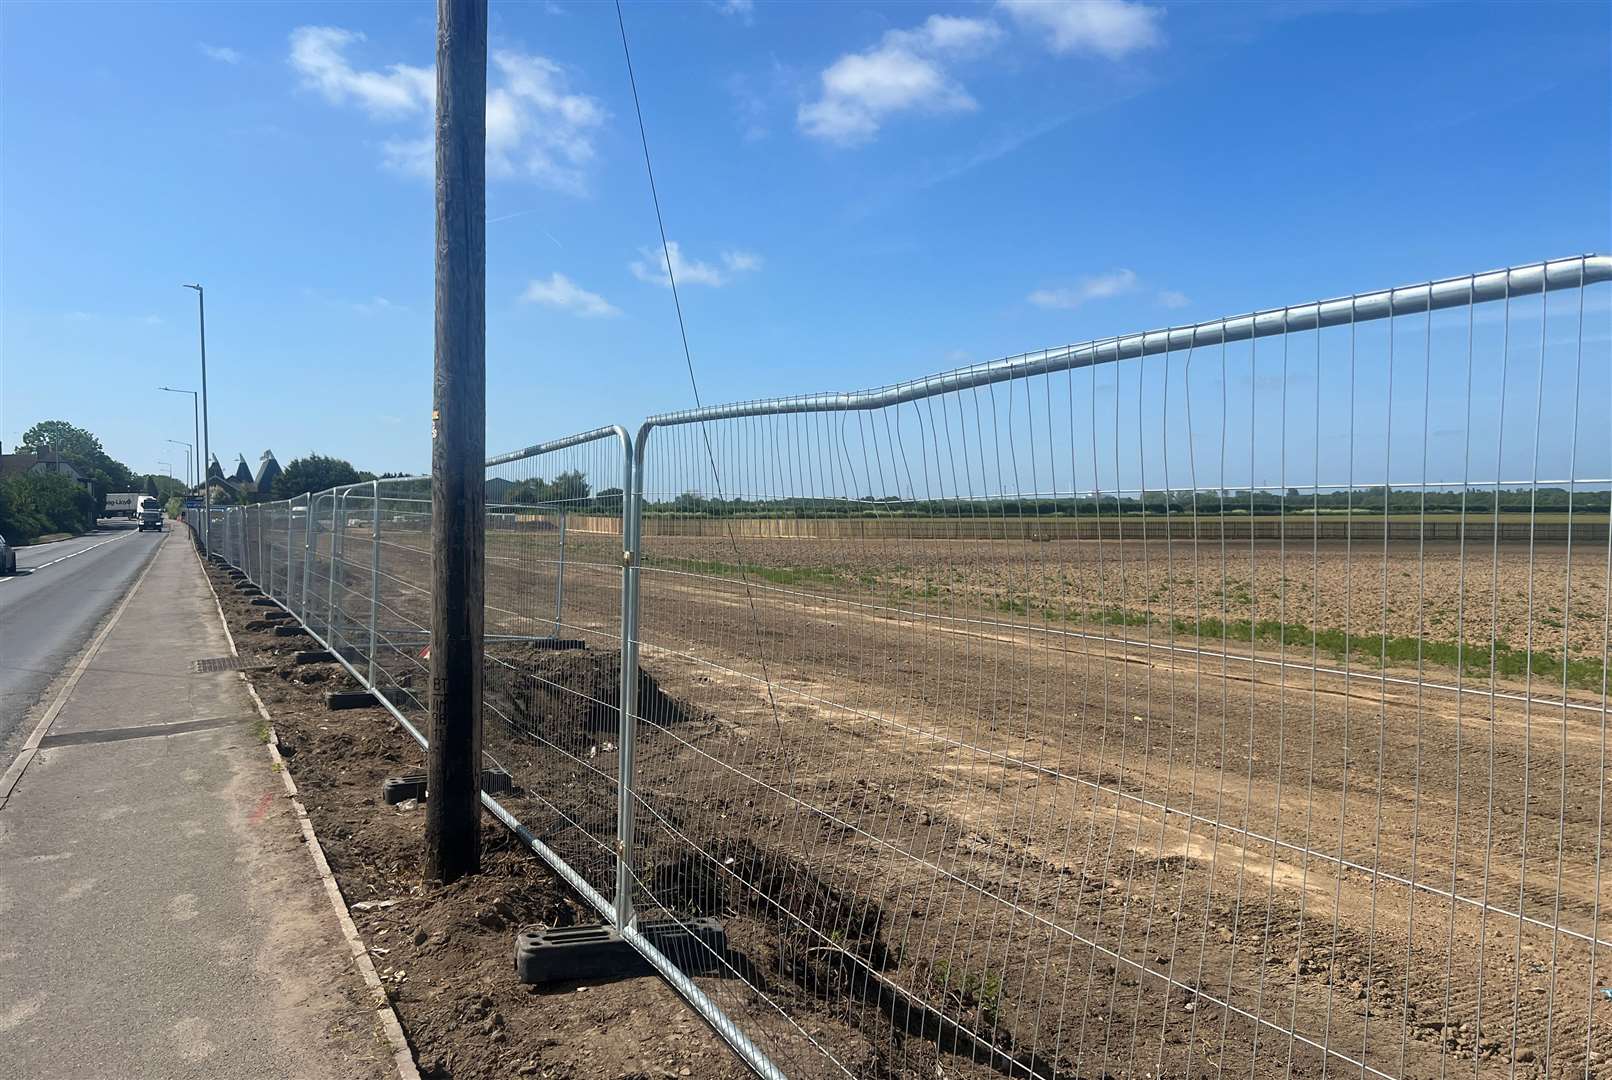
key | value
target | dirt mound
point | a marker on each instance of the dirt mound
(580, 689)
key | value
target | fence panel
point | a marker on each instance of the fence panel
(1169, 799)
(1228, 697)
(553, 673)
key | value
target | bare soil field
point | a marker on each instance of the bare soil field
(1441, 594)
(949, 837)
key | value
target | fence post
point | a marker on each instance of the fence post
(632, 482)
(374, 576)
(559, 576)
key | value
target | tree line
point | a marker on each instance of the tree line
(34, 505)
(1364, 500)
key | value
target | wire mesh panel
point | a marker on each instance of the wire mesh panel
(552, 686)
(276, 550)
(1228, 698)
(402, 523)
(355, 577)
(318, 546)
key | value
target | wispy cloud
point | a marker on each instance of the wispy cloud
(222, 53)
(1111, 28)
(377, 305)
(913, 70)
(652, 267)
(537, 127)
(1172, 298)
(1096, 287)
(739, 9)
(152, 320)
(319, 55)
(905, 72)
(561, 292)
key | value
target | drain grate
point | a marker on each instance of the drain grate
(217, 663)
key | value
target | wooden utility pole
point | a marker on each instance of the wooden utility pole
(458, 445)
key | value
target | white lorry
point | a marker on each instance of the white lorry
(124, 504)
(149, 515)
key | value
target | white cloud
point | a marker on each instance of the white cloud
(1096, 287)
(905, 71)
(537, 128)
(377, 305)
(561, 292)
(743, 9)
(652, 267)
(318, 53)
(741, 262)
(1111, 28)
(1173, 298)
(910, 70)
(222, 53)
(151, 320)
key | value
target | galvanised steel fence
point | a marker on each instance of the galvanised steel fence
(1230, 698)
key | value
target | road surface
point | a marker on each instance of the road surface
(50, 607)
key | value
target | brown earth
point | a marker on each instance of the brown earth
(446, 953)
(938, 832)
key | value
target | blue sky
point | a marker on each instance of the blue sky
(859, 193)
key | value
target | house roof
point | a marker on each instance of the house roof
(267, 470)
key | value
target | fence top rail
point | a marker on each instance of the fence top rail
(1468, 289)
(610, 431)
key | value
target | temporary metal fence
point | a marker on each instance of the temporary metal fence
(1098, 755)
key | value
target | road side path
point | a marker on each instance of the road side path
(159, 915)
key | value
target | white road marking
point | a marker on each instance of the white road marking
(64, 558)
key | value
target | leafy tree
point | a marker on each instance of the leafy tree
(167, 487)
(71, 442)
(81, 449)
(569, 487)
(34, 504)
(316, 472)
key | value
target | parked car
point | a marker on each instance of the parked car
(8, 557)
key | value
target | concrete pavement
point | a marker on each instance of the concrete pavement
(159, 914)
(50, 607)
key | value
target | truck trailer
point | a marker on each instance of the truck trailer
(124, 504)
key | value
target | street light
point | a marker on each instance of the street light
(195, 422)
(207, 488)
(190, 450)
(170, 468)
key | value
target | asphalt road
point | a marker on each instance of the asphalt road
(50, 607)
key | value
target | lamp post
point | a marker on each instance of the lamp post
(195, 422)
(189, 452)
(206, 455)
(170, 468)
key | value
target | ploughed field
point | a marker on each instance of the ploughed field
(985, 807)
